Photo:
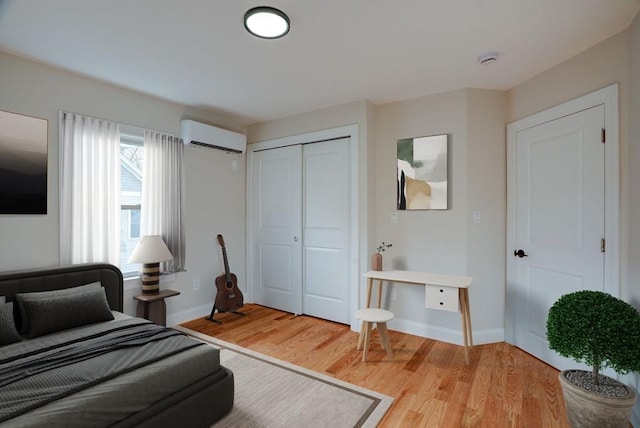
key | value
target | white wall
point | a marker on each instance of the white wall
(447, 241)
(595, 68)
(438, 241)
(426, 240)
(214, 192)
(616, 59)
(600, 66)
(487, 193)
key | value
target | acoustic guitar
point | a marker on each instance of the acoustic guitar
(229, 297)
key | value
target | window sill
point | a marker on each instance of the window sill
(131, 282)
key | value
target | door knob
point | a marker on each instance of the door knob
(295, 238)
(520, 253)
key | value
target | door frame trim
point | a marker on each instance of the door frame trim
(350, 131)
(608, 97)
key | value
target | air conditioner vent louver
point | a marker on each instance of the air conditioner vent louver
(213, 146)
(203, 135)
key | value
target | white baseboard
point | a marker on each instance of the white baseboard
(454, 336)
(449, 335)
(494, 335)
(188, 314)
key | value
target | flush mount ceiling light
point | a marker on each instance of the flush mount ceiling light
(488, 58)
(266, 22)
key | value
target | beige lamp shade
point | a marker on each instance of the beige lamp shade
(150, 249)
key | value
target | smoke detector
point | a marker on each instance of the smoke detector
(488, 58)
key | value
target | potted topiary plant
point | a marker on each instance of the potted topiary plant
(599, 330)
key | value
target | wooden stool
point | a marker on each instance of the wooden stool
(369, 316)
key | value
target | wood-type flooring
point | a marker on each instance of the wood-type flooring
(502, 386)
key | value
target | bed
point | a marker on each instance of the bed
(76, 363)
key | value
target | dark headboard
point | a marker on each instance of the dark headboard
(56, 278)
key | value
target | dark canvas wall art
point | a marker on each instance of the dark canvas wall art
(23, 164)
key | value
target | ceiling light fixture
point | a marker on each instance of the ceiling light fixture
(488, 58)
(266, 22)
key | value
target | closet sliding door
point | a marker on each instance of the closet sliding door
(326, 230)
(277, 226)
(300, 228)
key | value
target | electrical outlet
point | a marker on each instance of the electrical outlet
(196, 284)
(392, 295)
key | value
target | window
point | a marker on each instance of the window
(99, 157)
(134, 223)
(131, 163)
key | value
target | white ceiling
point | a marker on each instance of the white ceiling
(197, 52)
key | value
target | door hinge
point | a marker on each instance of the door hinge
(602, 245)
(604, 135)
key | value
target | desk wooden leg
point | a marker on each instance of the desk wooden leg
(466, 321)
(369, 286)
(466, 299)
(380, 294)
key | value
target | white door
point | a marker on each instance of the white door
(302, 269)
(277, 225)
(326, 230)
(560, 224)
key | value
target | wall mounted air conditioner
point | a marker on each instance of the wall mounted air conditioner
(201, 134)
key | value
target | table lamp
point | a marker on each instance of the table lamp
(150, 251)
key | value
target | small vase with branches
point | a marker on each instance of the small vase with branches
(376, 259)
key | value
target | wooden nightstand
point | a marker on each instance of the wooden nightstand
(153, 307)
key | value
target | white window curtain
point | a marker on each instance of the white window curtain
(162, 201)
(90, 190)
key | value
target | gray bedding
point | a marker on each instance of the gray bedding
(101, 404)
(73, 365)
(188, 389)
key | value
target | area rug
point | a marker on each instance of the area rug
(273, 393)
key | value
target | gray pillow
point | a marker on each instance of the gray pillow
(20, 298)
(8, 332)
(50, 314)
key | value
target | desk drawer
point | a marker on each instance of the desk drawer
(442, 298)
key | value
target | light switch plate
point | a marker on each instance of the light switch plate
(394, 217)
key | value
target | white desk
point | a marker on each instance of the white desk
(442, 292)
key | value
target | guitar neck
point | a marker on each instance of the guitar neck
(226, 264)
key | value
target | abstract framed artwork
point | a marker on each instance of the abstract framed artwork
(422, 173)
(23, 164)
